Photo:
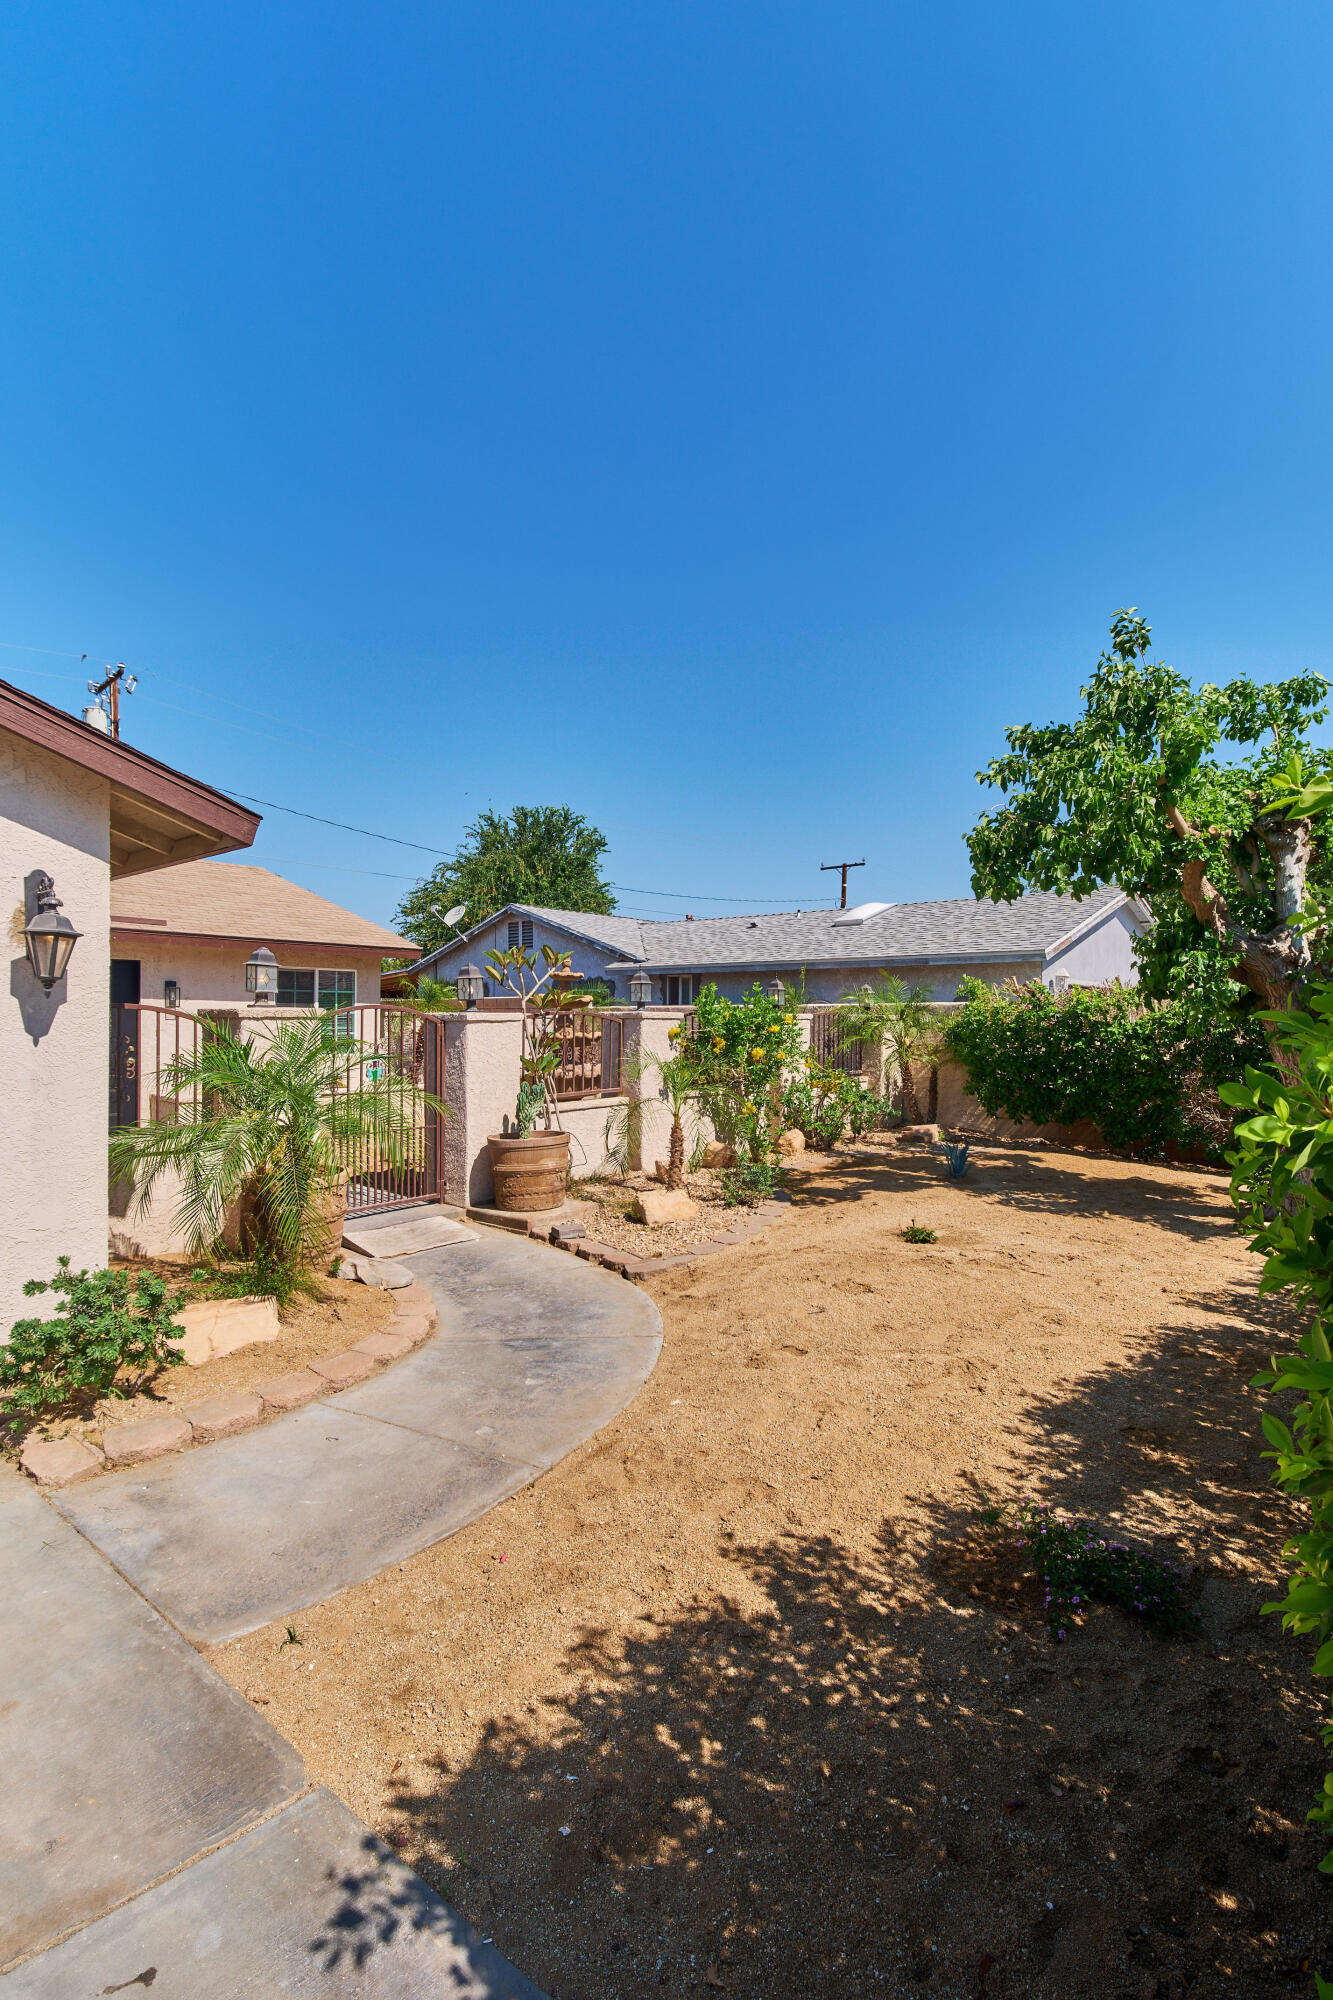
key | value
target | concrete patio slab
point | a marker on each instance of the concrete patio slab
(308, 1903)
(532, 1398)
(230, 1535)
(403, 1235)
(123, 1754)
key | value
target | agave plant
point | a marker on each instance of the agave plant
(267, 1130)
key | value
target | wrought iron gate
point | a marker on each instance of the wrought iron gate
(402, 1053)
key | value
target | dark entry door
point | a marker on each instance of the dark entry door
(124, 1052)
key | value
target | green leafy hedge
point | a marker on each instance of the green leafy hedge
(1147, 1075)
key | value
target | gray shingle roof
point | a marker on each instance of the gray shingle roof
(902, 934)
(945, 933)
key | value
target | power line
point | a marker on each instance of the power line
(342, 825)
(683, 896)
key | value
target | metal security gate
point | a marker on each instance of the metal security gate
(402, 1053)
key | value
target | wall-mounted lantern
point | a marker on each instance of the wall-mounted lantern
(171, 992)
(48, 937)
(261, 974)
(469, 985)
(640, 989)
(776, 990)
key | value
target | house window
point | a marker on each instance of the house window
(679, 989)
(520, 932)
(330, 990)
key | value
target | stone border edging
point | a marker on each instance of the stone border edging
(54, 1462)
(627, 1265)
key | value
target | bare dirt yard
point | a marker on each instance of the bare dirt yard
(745, 1696)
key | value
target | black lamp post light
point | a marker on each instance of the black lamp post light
(640, 989)
(49, 938)
(261, 974)
(469, 985)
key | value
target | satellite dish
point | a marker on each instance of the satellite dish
(452, 916)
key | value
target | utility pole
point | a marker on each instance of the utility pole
(825, 867)
(111, 687)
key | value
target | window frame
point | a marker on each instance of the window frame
(317, 975)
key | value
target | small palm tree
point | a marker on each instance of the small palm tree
(899, 1015)
(678, 1084)
(270, 1128)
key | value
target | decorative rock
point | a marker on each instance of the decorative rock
(668, 1205)
(148, 1437)
(791, 1143)
(288, 1392)
(567, 1232)
(340, 1371)
(718, 1155)
(219, 1326)
(391, 1346)
(919, 1135)
(60, 1461)
(220, 1416)
(660, 1170)
(379, 1271)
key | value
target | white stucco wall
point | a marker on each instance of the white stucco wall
(213, 975)
(53, 1050)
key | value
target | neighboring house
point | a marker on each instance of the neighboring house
(1040, 937)
(87, 812)
(184, 936)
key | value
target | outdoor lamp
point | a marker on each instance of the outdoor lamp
(640, 988)
(776, 990)
(469, 985)
(48, 937)
(261, 973)
(171, 992)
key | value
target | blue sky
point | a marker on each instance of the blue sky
(723, 418)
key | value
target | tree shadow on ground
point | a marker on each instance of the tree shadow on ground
(874, 1773)
(1028, 1178)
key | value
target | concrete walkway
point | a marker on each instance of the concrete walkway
(154, 1830)
(534, 1351)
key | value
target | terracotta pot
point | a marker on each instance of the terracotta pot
(529, 1174)
(239, 1233)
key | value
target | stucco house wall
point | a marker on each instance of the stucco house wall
(1100, 956)
(211, 973)
(55, 820)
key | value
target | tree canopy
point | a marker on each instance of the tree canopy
(1139, 791)
(546, 855)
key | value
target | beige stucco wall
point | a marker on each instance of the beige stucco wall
(53, 1051)
(213, 975)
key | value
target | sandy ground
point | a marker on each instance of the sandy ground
(342, 1313)
(743, 1696)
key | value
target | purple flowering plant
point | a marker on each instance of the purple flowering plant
(1078, 1563)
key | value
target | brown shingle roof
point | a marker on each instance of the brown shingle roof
(234, 900)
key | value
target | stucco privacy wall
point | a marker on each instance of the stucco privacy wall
(54, 818)
(213, 975)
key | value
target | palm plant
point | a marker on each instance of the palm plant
(894, 1014)
(677, 1083)
(267, 1131)
(431, 996)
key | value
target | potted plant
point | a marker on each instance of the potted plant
(530, 1168)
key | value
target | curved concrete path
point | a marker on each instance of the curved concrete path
(534, 1351)
(156, 1831)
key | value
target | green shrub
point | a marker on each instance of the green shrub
(1282, 1185)
(1142, 1073)
(1077, 1563)
(104, 1321)
(917, 1232)
(750, 1182)
(824, 1103)
(741, 1056)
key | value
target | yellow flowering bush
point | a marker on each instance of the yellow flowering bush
(745, 1051)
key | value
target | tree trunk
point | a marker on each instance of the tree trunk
(911, 1105)
(1275, 964)
(675, 1173)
